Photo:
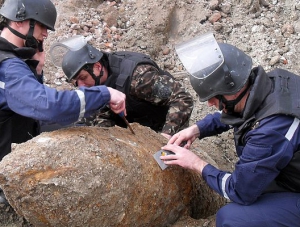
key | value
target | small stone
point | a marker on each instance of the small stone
(274, 60)
(215, 17)
(166, 51)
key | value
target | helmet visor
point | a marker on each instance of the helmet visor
(200, 56)
(59, 49)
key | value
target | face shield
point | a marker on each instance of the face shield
(59, 49)
(200, 56)
(215, 68)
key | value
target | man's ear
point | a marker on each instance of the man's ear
(97, 68)
(16, 24)
(97, 64)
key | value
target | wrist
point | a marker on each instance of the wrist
(196, 130)
(199, 166)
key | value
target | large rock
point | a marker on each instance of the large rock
(88, 176)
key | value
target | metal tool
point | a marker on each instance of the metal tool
(122, 115)
(160, 162)
(159, 153)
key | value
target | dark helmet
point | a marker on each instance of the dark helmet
(227, 78)
(75, 60)
(216, 68)
(42, 11)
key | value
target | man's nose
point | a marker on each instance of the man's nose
(45, 33)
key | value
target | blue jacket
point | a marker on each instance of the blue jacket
(21, 92)
(267, 149)
(25, 101)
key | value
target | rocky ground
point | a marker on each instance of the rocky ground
(267, 30)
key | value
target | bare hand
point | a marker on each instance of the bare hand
(183, 157)
(117, 101)
(166, 135)
(187, 135)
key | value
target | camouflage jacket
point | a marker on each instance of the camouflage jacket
(161, 91)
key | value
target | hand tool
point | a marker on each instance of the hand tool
(122, 115)
(160, 162)
(159, 153)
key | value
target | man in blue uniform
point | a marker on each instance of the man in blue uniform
(24, 100)
(263, 110)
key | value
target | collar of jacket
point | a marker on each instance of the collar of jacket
(260, 89)
(20, 52)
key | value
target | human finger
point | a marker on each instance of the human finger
(165, 135)
(118, 107)
(171, 147)
(117, 98)
(174, 139)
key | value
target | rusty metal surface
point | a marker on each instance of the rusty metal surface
(89, 175)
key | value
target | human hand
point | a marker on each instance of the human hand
(117, 101)
(166, 135)
(183, 157)
(187, 135)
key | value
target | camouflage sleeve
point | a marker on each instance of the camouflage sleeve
(163, 90)
(102, 118)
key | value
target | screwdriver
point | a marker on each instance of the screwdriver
(122, 115)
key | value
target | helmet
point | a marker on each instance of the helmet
(73, 53)
(215, 68)
(42, 11)
(74, 60)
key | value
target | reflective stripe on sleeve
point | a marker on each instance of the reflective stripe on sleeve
(82, 103)
(224, 179)
(290, 133)
(2, 85)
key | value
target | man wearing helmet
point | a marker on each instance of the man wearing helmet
(263, 110)
(153, 97)
(24, 100)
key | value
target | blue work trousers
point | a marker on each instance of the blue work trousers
(280, 209)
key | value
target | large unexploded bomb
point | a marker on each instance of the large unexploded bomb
(90, 176)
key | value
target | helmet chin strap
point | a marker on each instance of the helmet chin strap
(30, 41)
(230, 104)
